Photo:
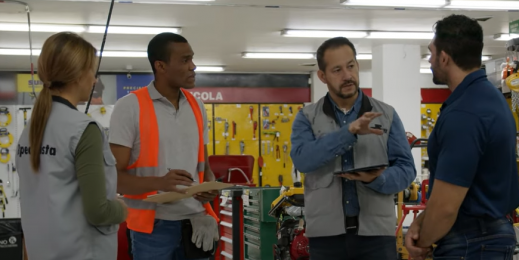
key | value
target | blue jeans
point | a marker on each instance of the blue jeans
(472, 239)
(353, 247)
(164, 243)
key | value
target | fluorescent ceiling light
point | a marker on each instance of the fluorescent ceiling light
(425, 71)
(485, 5)
(397, 3)
(263, 55)
(505, 36)
(19, 52)
(364, 56)
(483, 58)
(130, 30)
(23, 27)
(401, 35)
(309, 56)
(54, 28)
(323, 34)
(358, 34)
(209, 68)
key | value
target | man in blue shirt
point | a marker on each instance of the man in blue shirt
(474, 181)
(316, 152)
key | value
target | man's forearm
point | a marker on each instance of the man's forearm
(133, 185)
(435, 225)
(208, 174)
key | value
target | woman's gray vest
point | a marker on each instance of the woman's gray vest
(323, 191)
(53, 222)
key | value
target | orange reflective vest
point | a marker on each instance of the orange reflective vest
(141, 214)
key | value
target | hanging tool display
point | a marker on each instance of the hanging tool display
(251, 111)
(227, 148)
(24, 109)
(8, 176)
(290, 110)
(226, 129)
(281, 110)
(266, 111)
(285, 120)
(6, 138)
(3, 199)
(233, 130)
(285, 148)
(16, 184)
(268, 147)
(278, 155)
(266, 124)
(254, 128)
(263, 147)
(5, 112)
(5, 157)
(260, 165)
(242, 147)
(209, 125)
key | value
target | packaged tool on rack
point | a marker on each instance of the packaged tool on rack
(5, 156)
(4, 111)
(6, 138)
(24, 109)
(3, 199)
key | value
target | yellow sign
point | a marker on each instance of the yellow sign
(24, 83)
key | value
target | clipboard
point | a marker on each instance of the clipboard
(168, 197)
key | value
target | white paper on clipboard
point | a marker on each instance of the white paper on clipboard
(168, 197)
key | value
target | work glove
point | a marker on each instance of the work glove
(205, 232)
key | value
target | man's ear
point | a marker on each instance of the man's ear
(159, 66)
(444, 58)
(322, 77)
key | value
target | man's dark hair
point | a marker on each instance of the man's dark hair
(461, 38)
(159, 48)
(332, 43)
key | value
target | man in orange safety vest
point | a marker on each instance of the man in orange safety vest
(158, 135)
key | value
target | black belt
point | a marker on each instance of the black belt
(352, 225)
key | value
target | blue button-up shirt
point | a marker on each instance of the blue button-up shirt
(309, 154)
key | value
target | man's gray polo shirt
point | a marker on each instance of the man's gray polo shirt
(178, 142)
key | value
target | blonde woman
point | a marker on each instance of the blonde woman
(67, 172)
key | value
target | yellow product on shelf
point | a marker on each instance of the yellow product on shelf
(5, 111)
(236, 132)
(210, 123)
(6, 138)
(5, 156)
(276, 128)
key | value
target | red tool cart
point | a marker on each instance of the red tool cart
(236, 169)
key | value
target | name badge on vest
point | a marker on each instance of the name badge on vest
(379, 127)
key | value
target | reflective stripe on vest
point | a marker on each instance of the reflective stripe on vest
(141, 214)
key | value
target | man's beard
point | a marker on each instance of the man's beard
(436, 79)
(346, 96)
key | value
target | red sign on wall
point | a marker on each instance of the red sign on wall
(251, 95)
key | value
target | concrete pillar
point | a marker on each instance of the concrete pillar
(396, 81)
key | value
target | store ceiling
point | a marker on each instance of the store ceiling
(221, 31)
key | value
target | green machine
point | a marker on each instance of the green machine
(259, 228)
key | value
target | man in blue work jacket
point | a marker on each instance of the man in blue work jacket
(350, 215)
(474, 182)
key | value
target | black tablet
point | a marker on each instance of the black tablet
(365, 169)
